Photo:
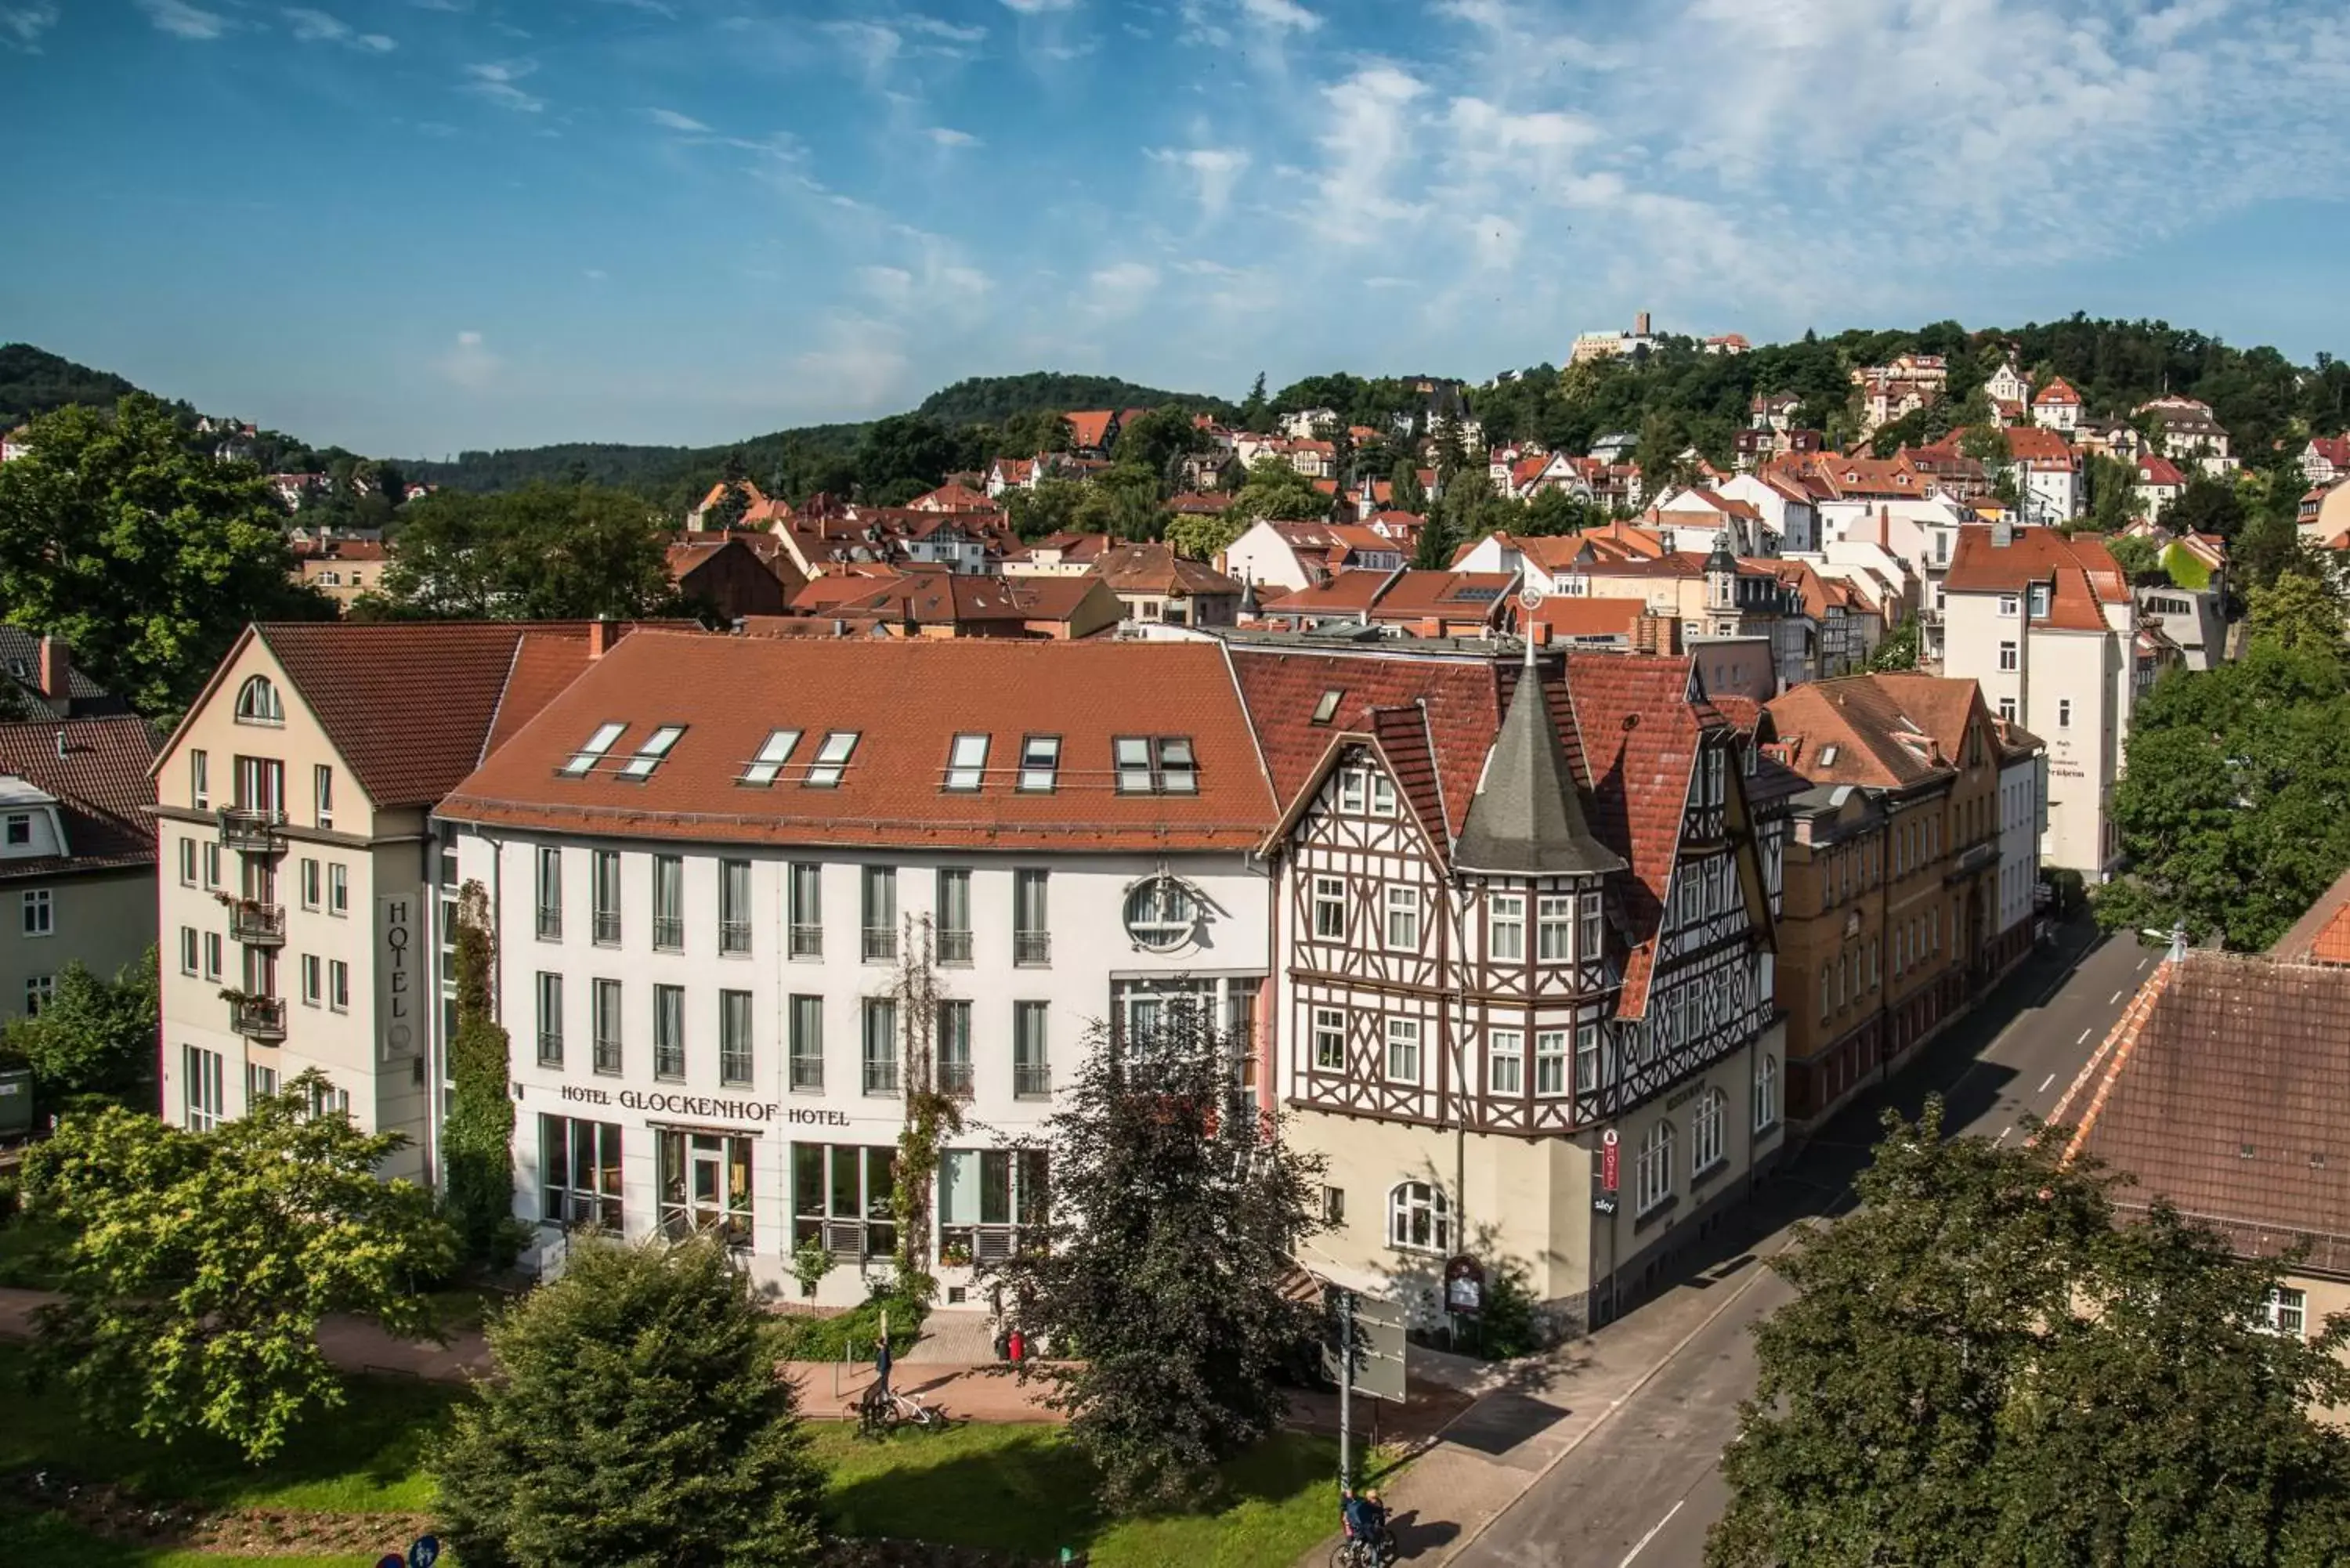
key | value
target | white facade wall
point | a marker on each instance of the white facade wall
(1090, 954)
(2020, 786)
(1262, 556)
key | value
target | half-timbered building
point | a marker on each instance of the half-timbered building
(1522, 931)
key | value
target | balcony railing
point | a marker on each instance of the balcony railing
(881, 1075)
(606, 932)
(846, 1237)
(257, 924)
(807, 941)
(1032, 1080)
(668, 932)
(608, 1055)
(954, 946)
(258, 1017)
(807, 1071)
(733, 936)
(550, 922)
(881, 942)
(550, 1050)
(1032, 946)
(955, 1079)
(256, 830)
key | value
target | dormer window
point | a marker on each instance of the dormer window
(2039, 601)
(587, 756)
(966, 762)
(258, 703)
(1040, 763)
(831, 760)
(773, 752)
(648, 756)
(19, 829)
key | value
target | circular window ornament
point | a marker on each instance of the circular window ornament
(1161, 914)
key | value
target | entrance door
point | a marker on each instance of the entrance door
(708, 1182)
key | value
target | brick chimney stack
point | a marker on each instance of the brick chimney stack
(603, 634)
(56, 668)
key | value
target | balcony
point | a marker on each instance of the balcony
(1031, 1081)
(881, 1075)
(807, 941)
(954, 945)
(956, 1078)
(1032, 948)
(261, 1018)
(881, 943)
(257, 924)
(254, 830)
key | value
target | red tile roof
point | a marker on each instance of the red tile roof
(1570, 615)
(2152, 470)
(2058, 392)
(1090, 427)
(2033, 556)
(1147, 568)
(101, 783)
(907, 699)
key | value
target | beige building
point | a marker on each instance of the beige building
(303, 900)
(77, 864)
(342, 570)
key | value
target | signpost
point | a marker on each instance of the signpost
(1369, 1357)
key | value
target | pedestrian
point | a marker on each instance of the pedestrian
(882, 1362)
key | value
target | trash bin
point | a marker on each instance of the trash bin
(15, 1103)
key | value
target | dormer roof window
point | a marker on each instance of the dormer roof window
(585, 759)
(639, 767)
(831, 760)
(773, 752)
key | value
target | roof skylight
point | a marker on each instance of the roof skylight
(831, 759)
(648, 756)
(966, 762)
(773, 752)
(588, 755)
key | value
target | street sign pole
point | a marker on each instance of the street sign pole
(1345, 1389)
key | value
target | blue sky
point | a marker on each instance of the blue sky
(416, 225)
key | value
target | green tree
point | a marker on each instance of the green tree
(1432, 548)
(1050, 508)
(2300, 612)
(1553, 511)
(201, 1262)
(1037, 431)
(1279, 492)
(1255, 413)
(906, 453)
(1404, 492)
(540, 553)
(1154, 440)
(1122, 502)
(93, 1038)
(1175, 1212)
(2133, 554)
(635, 1420)
(1203, 536)
(1981, 1364)
(2112, 493)
(1899, 649)
(477, 1138)
(2207, 505)
(147, 557)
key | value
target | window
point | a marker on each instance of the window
(2007, 709)
(606, 1000)
(260, 1082)
(338, 888)
(205, 1102)
(2007, 604)
(881, 1043)
(1032, 1070)
(656, 746)
(2007, 655)
(603, 916)
(1354, 787)
(735, 1046)
(773, 752)
(1040, 762)
(40, 913)
(258, 703)
(668, 903)
(1163, 764)
(1383, 794)
(1403, 919)
(590, 754)
(187, 862)
(312, 884)
(807, 1043)
(703, 1180)
(2040, 600)
(1032, 941)
(1505, 1062)
(1652, 1173)
(211, 955)
(1505, 928)
(1161, 913)
(550, 893)
(831, 760)
(1132, 753)
(1403, 1050)
(1329, 1040)
(986, 1197)
(1587, 1064)
(1555, 927)
(2064, 712)
(955, 1076)
(1705, 1132)
(550, 1019)
(1326, 707)
(966, 762)
(338, 985)
(878, 903)
(841, 1197)
(1419, 1219)
(1766, 1092)
(1590, 941)
(2285, 1310)
(952, 928)
(668, 1031)
(806, 912)
(1329, 908)
(187, 949)
(579, 1172)
(322, 796)
(313, 981)
(200, 780)
(38, 991)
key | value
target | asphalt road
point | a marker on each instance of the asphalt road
(1642, 1489)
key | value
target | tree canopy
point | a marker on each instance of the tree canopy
(35, 381)
(1275, 489)
(201, 1262)
(146, 555)
(541, 553)
(93, 1039)
(1987, 1364)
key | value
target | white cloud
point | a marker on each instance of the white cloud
(1280, 13)
(183, 20)
(953, 32)
(317, 28)
(21, 26)
(873, 46)
(1214, 172)
(860, 363)
(1121, 288)
(1496, 239)
(1034, 7)
(669, 120)
(1367, 137)
(470, 364)
(495, 83)
(947, 136)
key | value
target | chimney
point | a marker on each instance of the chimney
(603, 634)
(2002, 533)
(56, 668)
(1640, 325)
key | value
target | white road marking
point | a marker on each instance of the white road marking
(2143, 961)
(2084, 1037)
(2002, 1135)
(2114, 998)
(1641, 1545)
(2046, 1081)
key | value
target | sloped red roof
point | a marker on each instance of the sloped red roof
(101, 783)
(1090, 427)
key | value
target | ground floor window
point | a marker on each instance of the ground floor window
(991, 1201)
(840, 1197)
(1766, 1092)
(199, 1073)
(1706, 1120)
(1420, 1219)
(1652, 1177)
(579, 1172)
(706, 1185)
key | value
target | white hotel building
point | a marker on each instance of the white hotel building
(714, 865)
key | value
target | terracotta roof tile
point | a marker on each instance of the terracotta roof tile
(102, 785)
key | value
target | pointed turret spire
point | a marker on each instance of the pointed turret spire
(1527, 818)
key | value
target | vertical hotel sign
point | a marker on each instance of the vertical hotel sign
(399, 987)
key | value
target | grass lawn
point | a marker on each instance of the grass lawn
(1015, 1488)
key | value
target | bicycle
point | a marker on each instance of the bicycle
(879, 1417)
(1354, 1551)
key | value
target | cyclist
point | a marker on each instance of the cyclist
(1366, 1520)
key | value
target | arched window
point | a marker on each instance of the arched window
(1652, 1176)
(1766, 1092)
(256, 703)
(1706, 1133)
(1419, 1219)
